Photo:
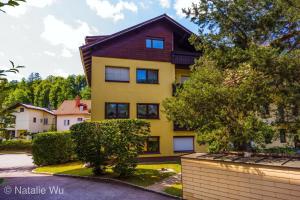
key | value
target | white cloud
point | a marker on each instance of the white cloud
(107, 10)
(60, 72)
(180, 4)
(40, 3)
(165, 3)
(25, 6)
(49, 53)
(57, 32)
(66, 53)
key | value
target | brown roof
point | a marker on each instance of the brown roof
(69, 107)
(93, 41)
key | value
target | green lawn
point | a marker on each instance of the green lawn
(145, 175)
(175, 190)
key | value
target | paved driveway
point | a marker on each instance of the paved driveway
(20, 183)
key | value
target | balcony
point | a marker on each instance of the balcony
(175, 87)
(183, 58)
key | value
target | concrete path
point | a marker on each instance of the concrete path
(160, 186)
(20, 183)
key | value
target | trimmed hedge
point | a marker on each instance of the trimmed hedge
(110, 142)
(16, 145)
(52, 148)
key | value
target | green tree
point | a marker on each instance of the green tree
(253, 47)
(11, 3)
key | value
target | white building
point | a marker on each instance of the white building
(31, 119)
(72, 112)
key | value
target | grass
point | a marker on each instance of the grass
(175, 190)
(145, 175)
(1, 180)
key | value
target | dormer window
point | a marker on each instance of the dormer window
(154, 43)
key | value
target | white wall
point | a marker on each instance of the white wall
(24, 120)
(73, 120)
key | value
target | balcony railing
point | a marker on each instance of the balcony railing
(183, 58)
(175, 87)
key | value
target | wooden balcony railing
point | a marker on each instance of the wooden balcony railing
(183, 58)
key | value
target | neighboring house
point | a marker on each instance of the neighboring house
(132, 71)
(31, 119)
(72, 112)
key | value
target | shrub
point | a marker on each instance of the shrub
(280, 150)
(52, 148)
(110, 142)
(16, 145)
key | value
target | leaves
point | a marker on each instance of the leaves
(12, 3)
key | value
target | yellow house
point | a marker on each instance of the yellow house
(132, 71)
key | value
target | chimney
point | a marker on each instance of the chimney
(77, 101)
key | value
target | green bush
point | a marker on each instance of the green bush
(52, 148)
(110, 142)
(280, 150)
(16, 145)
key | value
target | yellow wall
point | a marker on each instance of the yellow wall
(181, 72)
(134, 93)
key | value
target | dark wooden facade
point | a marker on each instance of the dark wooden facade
(130, 44)
(133, 46)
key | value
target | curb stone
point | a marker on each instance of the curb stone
(109, 180)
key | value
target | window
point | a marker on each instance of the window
(265, 109)
(66, 122)
(79, 119)
(147, 111)
(183, 144)
(80, 108)
(184, 78)
(117, 74)
(152, 43)
(45, 121)
(282, 136)
(34, 120)
(147, 76)
(21, 109)
(152, 145)
(116, 110)
(295, 110)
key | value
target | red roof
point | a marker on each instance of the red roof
(70, 107)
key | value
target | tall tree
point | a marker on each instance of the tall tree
(254, 47)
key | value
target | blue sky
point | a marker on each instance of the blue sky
(44, 35)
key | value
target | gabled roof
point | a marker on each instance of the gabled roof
(70, 107)
(28, 106)
(94, 41)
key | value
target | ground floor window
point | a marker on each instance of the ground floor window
(66, 122)
(183, 144)
(152, 145)
(282, 135)
(116, 110)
